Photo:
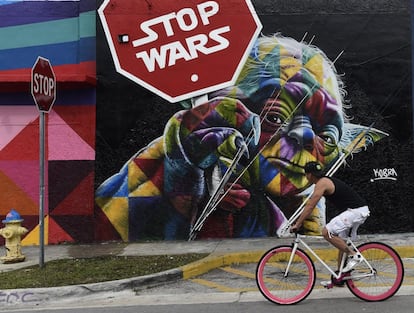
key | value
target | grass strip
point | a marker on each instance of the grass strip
(92, 270)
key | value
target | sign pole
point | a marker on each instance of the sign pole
(41, 188)
(43, 89)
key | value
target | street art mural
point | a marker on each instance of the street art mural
(250, 141)
(123, 163)
(285, 110)
(63, 32)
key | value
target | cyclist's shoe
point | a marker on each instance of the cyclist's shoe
(352, 261)
(327, 284)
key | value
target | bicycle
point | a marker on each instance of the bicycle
(286, 274)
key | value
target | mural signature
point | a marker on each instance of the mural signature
(384, 174)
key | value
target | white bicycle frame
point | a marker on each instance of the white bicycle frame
(299, 241)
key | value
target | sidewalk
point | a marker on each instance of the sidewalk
(221, 252)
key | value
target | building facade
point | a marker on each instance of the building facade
(123, 163)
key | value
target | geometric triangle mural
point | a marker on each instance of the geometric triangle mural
(69, 177)
(70, 125)
(50, 226)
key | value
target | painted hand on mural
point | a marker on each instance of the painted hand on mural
(285, 110)
(199, 144)
(176, 173)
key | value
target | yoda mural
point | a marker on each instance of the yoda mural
(244, 147)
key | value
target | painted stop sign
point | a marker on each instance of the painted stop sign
(43, 84)
(180, 49)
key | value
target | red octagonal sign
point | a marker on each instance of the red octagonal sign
(43, 84)
(180, 49)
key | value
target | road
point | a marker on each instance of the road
(400, 304)
(229, 288)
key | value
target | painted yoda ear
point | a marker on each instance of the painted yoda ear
(357, 137)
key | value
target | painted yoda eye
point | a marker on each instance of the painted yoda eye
(276, 113)
(327, 139)
(274, 118)
(330, 135)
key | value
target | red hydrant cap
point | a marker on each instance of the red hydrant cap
(12, 216)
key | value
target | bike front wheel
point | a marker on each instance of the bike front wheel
(385, 278)
(284, 278)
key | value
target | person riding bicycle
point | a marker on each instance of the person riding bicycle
(354, 211)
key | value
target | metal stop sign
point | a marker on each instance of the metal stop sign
(180, 49)
(43, 84)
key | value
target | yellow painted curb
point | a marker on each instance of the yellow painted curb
(405, 251)
(215, 261)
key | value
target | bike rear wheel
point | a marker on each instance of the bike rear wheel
(282, 286)
(388, 273)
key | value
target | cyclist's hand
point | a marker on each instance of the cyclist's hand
(295, 228)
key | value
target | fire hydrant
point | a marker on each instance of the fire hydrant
(13, 232)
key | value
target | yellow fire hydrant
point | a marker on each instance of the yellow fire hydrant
(13, 232)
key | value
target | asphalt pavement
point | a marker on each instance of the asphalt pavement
(221, 253)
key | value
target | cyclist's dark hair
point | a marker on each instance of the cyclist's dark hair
(314, 168)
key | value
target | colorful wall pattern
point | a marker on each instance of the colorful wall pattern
(64, 33)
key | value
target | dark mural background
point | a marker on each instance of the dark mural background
(376, 39)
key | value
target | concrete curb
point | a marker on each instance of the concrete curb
(41, 296)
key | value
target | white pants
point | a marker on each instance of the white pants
(351, 218)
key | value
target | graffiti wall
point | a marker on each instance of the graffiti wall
(321, 82)
(64, 33)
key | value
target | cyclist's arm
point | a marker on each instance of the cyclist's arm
(320, 188)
